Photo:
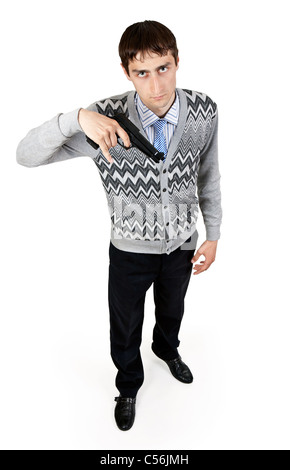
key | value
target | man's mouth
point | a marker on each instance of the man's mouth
(158, 97)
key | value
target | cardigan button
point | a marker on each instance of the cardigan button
(164, 189)
(164, 171)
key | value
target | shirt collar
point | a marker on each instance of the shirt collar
(147, 117)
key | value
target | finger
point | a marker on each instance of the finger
(106, 152)
(197, 255)
(196, 258)
(108, 142)
(200, 270)
(124, 136)
(113, 138)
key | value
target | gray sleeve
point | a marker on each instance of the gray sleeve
(208, 184)
(57, 139)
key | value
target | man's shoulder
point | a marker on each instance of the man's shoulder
(197, 99)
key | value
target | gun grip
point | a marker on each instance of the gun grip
(121, 143)
(92, 143)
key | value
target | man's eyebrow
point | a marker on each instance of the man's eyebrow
(159, 67)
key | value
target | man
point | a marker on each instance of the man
(153, 206)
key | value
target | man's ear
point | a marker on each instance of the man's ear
(125, 72)
(177, 67)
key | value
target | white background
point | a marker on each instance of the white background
(57, 377)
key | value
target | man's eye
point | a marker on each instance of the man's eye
(141, 74)
(163, 69)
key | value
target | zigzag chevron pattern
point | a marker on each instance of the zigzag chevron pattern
(183, 168)
(132, 184)
(110, 106)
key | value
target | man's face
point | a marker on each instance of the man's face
(154, 79)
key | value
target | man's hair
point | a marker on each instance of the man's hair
(145, 37)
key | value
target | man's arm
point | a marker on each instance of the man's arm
(208, 184)
(57, 139)
(64, 137)
(209, 194)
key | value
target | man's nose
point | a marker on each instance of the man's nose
(155, 85)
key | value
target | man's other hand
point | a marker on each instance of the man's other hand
(208, 250)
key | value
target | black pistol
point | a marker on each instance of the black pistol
(136, 138)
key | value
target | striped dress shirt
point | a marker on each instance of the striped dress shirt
(148, 118)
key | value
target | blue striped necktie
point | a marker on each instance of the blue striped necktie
(159, 136)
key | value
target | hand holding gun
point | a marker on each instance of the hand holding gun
(136, 138)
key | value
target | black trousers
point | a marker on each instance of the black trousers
(130, 276)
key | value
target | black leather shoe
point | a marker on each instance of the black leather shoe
(180, 370)
(125, 412)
